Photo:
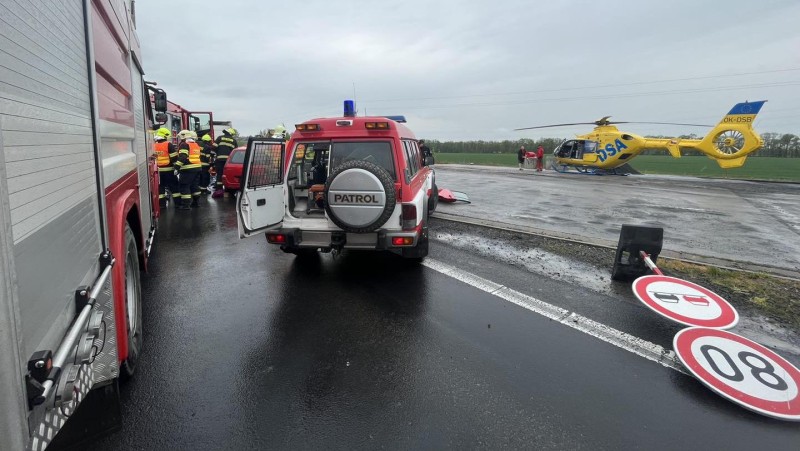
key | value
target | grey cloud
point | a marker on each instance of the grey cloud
(450, 66)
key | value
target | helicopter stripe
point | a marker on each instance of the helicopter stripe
(748, 108)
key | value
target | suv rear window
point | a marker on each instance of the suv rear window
(379, 153)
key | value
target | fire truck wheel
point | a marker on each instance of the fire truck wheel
(133, 305)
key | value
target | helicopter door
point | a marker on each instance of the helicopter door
(590, 152)
(261, 203)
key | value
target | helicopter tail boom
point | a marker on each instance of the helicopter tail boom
(673, 146)
(733, 138)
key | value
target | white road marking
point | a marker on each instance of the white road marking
(622, 340)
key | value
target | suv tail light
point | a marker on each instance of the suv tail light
(408, 220)
(276, 238)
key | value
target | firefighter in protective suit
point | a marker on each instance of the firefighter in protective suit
(189, 168)
(166, 154)
(206, 157)
(225, 145)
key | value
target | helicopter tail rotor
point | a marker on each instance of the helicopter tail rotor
(734, 137)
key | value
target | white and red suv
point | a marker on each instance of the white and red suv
(340, 183)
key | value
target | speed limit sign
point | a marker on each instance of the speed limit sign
(741, 370)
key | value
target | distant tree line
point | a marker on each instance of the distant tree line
(507, 146)
(785, 145)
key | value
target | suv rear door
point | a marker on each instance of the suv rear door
(260, 206)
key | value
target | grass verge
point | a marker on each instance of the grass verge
(776, 298)
(755, 168)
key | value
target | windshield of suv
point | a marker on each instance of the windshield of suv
(379, 153)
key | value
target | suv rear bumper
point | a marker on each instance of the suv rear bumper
(319, 239)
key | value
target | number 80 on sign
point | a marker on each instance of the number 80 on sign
(741, 370)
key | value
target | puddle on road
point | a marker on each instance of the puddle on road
(535, 260)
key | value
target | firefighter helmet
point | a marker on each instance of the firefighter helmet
(163, 132)
(187, 134)
(230, 131)
(206, 137)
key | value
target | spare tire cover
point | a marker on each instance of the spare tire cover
(359, 196)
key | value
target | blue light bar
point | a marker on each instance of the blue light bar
(396, 118)
(349, 108)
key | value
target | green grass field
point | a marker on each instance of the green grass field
(759, 168)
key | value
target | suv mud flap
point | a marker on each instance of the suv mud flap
(421, 249)
(381, 241)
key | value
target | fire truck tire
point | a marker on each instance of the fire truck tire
(354, 177)
(133, 305)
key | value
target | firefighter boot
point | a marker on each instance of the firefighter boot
(195, 201)
(185, 204)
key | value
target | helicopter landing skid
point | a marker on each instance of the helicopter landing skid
(562, 168)
(585, 170)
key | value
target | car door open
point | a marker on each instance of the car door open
(260, 206)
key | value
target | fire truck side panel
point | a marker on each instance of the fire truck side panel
(50, 166)
(122, 142)
(50, 214)
(15, 429)
(143, 148)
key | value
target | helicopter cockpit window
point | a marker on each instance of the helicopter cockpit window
(590, 147)
(566, 149)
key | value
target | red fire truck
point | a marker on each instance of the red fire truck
(202, 122)
(78, 208)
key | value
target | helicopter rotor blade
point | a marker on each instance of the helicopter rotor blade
(662, 123)
(555, 125)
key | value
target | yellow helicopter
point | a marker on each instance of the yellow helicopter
(606, 147)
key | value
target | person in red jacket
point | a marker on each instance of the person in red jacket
(539, 158)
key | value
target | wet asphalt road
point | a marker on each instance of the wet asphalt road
(751, 222)
(250, 348)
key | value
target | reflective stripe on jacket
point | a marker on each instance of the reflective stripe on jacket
(163, 159)
(225, 145)
(188, 155)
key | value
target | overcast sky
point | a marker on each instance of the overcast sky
(463, 70)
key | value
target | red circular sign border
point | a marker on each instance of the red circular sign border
(685, 320)
(753, 403)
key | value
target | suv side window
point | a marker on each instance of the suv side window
(411, 164)
(416, 155)
(406, 161)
